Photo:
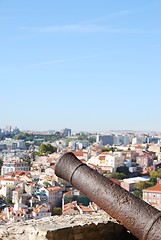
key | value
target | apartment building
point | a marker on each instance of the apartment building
(10, 166)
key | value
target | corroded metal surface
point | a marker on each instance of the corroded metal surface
(141, 219)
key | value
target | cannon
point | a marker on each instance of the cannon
(140, 218)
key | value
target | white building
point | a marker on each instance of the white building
(137, 140)
(79, 144)
(114, 161)
(129, 183)
(41, 211)
(10, 166)
(14, 144)
(72, 144)
(111, 161)
(6, 191)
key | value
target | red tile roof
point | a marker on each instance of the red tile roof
(49, 159)
(156, 188)
(152, 203)
(115, 181)
(39, 208)
(68, 193)
(53, 188)
(139, 146)
(101, 157)
(78, 153)
(18, 173)
(85, 208)
(9, 179)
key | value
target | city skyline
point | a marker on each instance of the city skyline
(91, 66)
(13, 129)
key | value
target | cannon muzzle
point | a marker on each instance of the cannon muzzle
(140, 218)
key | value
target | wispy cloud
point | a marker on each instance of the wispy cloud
(89, 25)
(108, 16)
(121, 13)
(99, 24)
(90, 28)
(68, 28)
(64, 60)
(48, 63)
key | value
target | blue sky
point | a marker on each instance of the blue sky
(87, 65)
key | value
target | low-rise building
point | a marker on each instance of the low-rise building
(129, 183)
(16, 195)
(11, 166)
(110, 161)
(54, 196)
(144, 160)
(114, 161)
(73, 208)
(41, 211)
(152, 195)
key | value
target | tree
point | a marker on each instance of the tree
(24, 136)
(1, 164)
(57, 211)
(107, 149)
(139, 186)
(142, 185)
(155, 174)
(117, 175)
(155, 157)
(46, 149)
(46, 184)
(124, 170)
(91, 139)
(7, 200)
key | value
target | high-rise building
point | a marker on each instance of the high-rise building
(8, 129)
(105, 139)
(137, 140)
(66, 132)
(116, 140)
(126, 140)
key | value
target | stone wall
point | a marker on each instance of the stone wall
(80, 227)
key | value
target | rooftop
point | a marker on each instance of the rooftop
(156, 188)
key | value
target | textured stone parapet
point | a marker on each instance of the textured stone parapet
(97, 226)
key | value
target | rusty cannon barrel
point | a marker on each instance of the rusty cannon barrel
(140, 218)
